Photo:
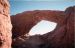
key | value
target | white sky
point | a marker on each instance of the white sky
(42, 27)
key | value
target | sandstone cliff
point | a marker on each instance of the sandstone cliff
(5, 25)
(64, 36)
(61, 37)
(23, 22)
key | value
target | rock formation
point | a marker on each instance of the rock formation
(35, 41)
(23, 22)
(61, 37)
(5, 25)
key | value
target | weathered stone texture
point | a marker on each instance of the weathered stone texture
(5, 25)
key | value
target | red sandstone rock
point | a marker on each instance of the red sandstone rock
(61, 37)
(23, 22)
(5, 25)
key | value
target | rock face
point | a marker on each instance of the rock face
(5, 25)
(61, 37)
(23, 22)
(64, 36)
(35, 41)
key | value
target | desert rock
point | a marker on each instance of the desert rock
(61, 37)
(5, 25)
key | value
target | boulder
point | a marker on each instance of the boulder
(5, 25)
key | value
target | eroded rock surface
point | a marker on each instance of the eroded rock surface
(23, 22)
(61, 37)
(5, 25)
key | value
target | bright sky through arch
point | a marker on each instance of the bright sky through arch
(43, 27)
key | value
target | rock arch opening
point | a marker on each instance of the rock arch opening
(42, 27)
